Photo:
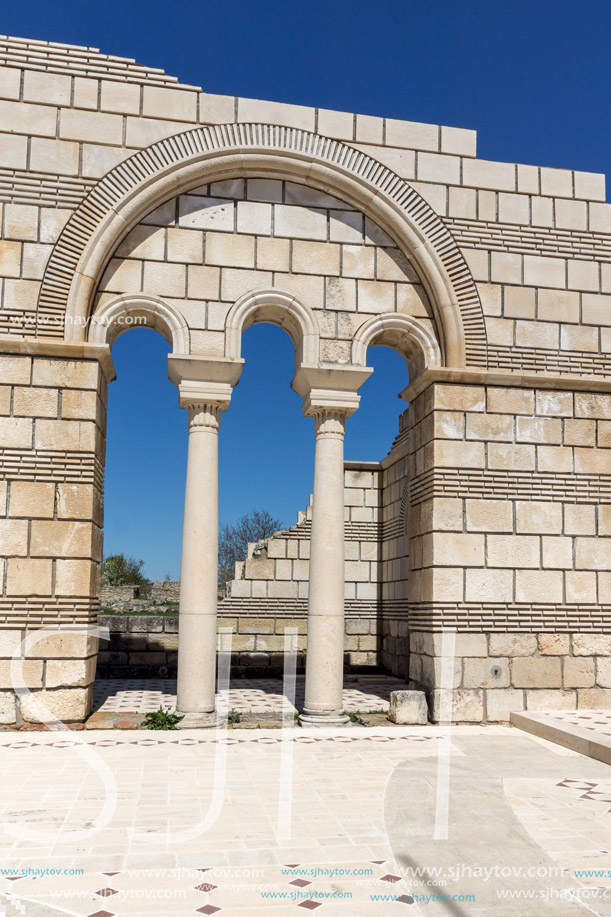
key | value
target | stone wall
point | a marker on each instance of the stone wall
(273, 581)
(510, 526)
(146, 646)
(52, 425)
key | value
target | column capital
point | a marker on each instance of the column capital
(203, 382)
(330, 389)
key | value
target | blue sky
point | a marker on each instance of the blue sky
(532, 78)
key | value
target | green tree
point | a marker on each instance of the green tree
(234, 539)
(119, 570)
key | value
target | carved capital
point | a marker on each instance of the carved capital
(329, 422)
(204, 416)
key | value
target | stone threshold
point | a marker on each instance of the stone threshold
(127, 720)
(570, 735)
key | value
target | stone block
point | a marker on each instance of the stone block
(63, 645)
(454, 549)
(539, 586)
(579, 519)
(490, 427)
(594, 698)
(510, 400)
(65, 435)
(593, 553)
(16, 432)
(500, 704)
(256, 625)
(592, 644)
(536, 672)
(483, 673)
(9, 642)
(30, 670)
(557, 552)
(593, 405)
(541, 701)
(513, 551)
(73, 673)
(408, 708)
(467, 706)
(603, 672)
(580, 587)
(547, 430)
(510, 457)
(13, 537)
(29, 577)
(489, 516)
(553, 644)
(538, 518)
(512, 644)
(489, 585)
(7, 708)
(67, 704)
(459, 397)
(61, 539)
(578, 672)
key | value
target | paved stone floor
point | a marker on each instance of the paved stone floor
(598, 721)
(324, 821)
(257, 695)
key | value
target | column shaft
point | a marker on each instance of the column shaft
(199, 568)
(325, 653)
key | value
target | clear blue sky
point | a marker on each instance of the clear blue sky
(533, 78)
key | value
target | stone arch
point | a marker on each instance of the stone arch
(405, 334)
(182, 162)
(278, 308)
(122, 312)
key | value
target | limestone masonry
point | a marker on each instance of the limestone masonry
(128, 198)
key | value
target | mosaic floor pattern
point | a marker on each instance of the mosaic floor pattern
(262, 695)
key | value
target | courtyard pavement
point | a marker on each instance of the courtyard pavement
(246, 695)
(285, 822)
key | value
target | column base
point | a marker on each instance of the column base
(199, 721)
(312, 720)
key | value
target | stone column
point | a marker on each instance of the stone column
(205, 388)
(325, 658)
(329, 397)
(199, 569)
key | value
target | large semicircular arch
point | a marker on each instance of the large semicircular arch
(203, 154)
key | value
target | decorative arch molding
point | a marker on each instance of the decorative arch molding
(278, 308)
(123, 312)
(405, 334)
(181, 162)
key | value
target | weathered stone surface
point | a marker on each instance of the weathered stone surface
(467, 706)
(7, 708)
(501, 703)
(512, 644)
(592, 645)
(408, 708)
(553, 644)
(536, 672)
(67, 704)
(550, 700)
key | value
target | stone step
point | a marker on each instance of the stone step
(564, 731)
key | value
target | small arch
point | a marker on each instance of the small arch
(405, 334)
(278, 308)
(122, 312)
